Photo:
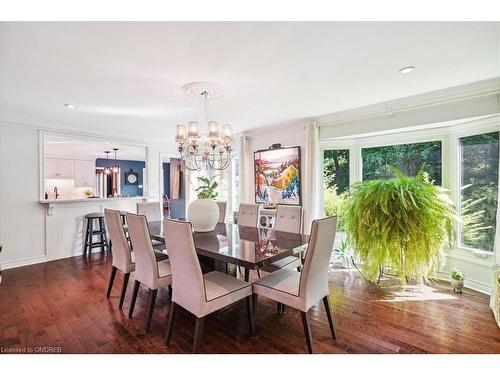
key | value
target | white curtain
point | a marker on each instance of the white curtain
(310, 177)
(495, 290)
(246, 170)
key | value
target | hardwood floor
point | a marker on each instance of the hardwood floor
(62, 304)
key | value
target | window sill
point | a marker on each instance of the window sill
(479, 257)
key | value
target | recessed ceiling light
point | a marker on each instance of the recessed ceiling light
(406, 69)
(69, 106)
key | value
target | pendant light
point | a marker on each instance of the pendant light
(116, 167)
(107, 169)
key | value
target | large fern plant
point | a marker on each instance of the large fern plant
(403, 224)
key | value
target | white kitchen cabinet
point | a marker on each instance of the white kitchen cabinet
(59, 168)
(84, 173)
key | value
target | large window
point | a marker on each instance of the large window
(336, 170)
(478, 189)
(409, 158)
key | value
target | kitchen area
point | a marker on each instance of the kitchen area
(80, 175)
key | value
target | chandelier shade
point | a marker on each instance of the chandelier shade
(210, 150)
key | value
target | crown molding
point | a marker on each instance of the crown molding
(453, 94)
(81, 133)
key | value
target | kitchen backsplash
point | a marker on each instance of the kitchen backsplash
(65, 188)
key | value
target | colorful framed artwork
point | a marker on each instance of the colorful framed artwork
(277, 176)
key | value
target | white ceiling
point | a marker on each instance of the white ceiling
(126, 78)
(70, 147)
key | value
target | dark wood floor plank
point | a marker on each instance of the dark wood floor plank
(62, 304)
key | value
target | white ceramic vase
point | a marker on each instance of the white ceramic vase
(203, 215)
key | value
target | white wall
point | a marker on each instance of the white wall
(28, 234)
(22, 218)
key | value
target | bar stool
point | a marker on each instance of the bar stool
(95, 218)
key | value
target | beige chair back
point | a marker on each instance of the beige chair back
(314, 276)
(248, 214)
(288, 219)
(122, 257)
(222, 211)
(146, 268)
(187, 278)
(152, 210)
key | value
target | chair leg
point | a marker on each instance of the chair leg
(197, 333)
(251, 321)
(328, 308)
(124, 289)
(247, 274)
(137, 284)
(86, 241)
(171, 322)
(111, 281)
(299, 268)
(307, 331)
(152, 301)
(258, 273)
(170, 292)
(255, 298)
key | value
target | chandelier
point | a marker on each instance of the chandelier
(210, 150)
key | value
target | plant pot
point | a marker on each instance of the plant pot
(457, 285)
(203, 215)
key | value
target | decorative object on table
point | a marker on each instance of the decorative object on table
(404, 223)
(211, 150)
(277, 176)
(203, 213)
(88, 193)
(457, 280)
(131, 177)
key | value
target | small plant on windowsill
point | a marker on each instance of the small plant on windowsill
(88, 193)
(457, 280)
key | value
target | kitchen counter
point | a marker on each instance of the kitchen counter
(51, 201)
(122, 203)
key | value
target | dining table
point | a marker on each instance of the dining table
(248, 247)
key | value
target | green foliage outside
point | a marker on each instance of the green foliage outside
(335, 205)
(336, 170)
(405, 223)
(206, 189)
(479, 190)
(409, 158)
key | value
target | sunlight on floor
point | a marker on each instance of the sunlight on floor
(418, 293)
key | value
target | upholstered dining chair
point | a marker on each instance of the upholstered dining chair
(123, 257)
(200, 294)
(288, 219)
(248, 214)
(302, 290)
(152, 211)
(148, 271)
(222, 211)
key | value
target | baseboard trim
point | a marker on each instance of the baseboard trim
(23, 262)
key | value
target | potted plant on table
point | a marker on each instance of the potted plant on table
(457, 280)
(203, 213)
(402, 224)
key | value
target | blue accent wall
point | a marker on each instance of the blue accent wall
(177, 206)
(126, 166)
